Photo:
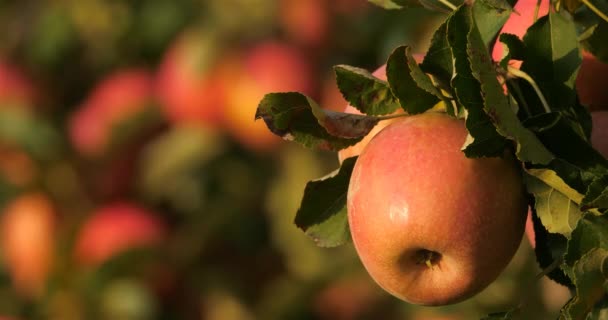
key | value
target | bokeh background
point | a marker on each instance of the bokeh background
(135, 184)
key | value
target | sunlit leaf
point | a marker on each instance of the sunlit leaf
(322, 214)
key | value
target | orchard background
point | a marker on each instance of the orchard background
(135, 183)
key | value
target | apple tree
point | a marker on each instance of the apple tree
(523, 104)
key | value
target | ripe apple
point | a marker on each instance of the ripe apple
(431, 226)
(189, 82)
(16, 89)
(591, 83)
(27, 241)
(115, 228)
(305, 21)
(119, 97)
(265, 67)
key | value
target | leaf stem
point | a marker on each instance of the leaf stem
(536, 10)
(595, 10)
(520, 74)
(450, 5)
(524, 103)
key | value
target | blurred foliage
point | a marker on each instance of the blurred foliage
(229, 249)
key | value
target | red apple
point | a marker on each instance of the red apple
(27, 241)
(16, 89)
(266, 67)
(189, 82)
(591, 83)
(119, 97)
(305, 21)
(115, 228)
(430, 225)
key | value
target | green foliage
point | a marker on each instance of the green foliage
(365, 92)
(409, 83)
(322, 214)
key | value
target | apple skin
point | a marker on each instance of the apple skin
(27, 240)
(268, 66)
(115, 228)
(190, 83)
(413, 191)
(591, 83)
(305, 21)
(16, 88)
(118, 97)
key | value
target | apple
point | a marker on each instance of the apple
(591, 83)
(115, 228)
(190, 82)
(430, 225)
(119, 97)
(268, 66)
(16, 88)
(27, 241)
(356, 149)
(305, 21)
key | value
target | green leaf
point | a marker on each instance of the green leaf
(295, 117)
(497, 105)
(438, 59)
(394, 4)
(16, 128)
(550, 247)
(597, 194)
(557, 212)
(365, 92)
(553, 59)
(483, 140)
(322, 214)
(490, 16)
(591, 280)
(515, 49)
(597, 43)
(500, 315)
(559, 136)
(591, 232)
(409, 83)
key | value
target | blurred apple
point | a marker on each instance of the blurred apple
(305, 21)
(119, 97)
(347, 299)
(591, 83)
(27, 240)
(115, 228)
(16, 89)
(189, 82)
(263, 68)
(16, 166)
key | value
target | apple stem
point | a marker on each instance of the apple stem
(520, 74)
(595, 10)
